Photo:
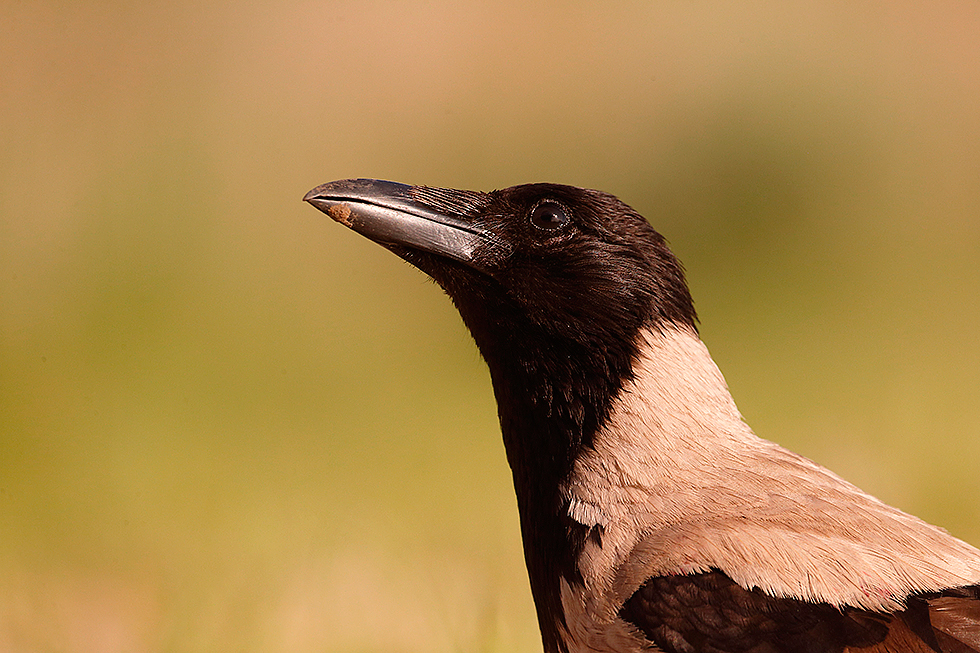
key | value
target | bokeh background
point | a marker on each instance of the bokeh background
(229, 424)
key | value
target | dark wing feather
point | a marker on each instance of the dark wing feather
(955, 618)
(710, 613)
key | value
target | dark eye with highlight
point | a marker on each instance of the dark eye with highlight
(549, 215)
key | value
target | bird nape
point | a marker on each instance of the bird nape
(652, 517)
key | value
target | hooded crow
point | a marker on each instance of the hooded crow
(653, 518)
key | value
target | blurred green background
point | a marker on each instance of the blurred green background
(229, 424)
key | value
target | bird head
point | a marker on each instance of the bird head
(563, 263)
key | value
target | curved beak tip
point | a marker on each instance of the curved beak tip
(313, 194)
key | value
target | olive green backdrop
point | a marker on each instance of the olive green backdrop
(229, 424)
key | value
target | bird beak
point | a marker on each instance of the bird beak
(390, 214)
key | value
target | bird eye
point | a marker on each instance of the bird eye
(549, 215)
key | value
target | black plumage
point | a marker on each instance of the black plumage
(709, 612)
